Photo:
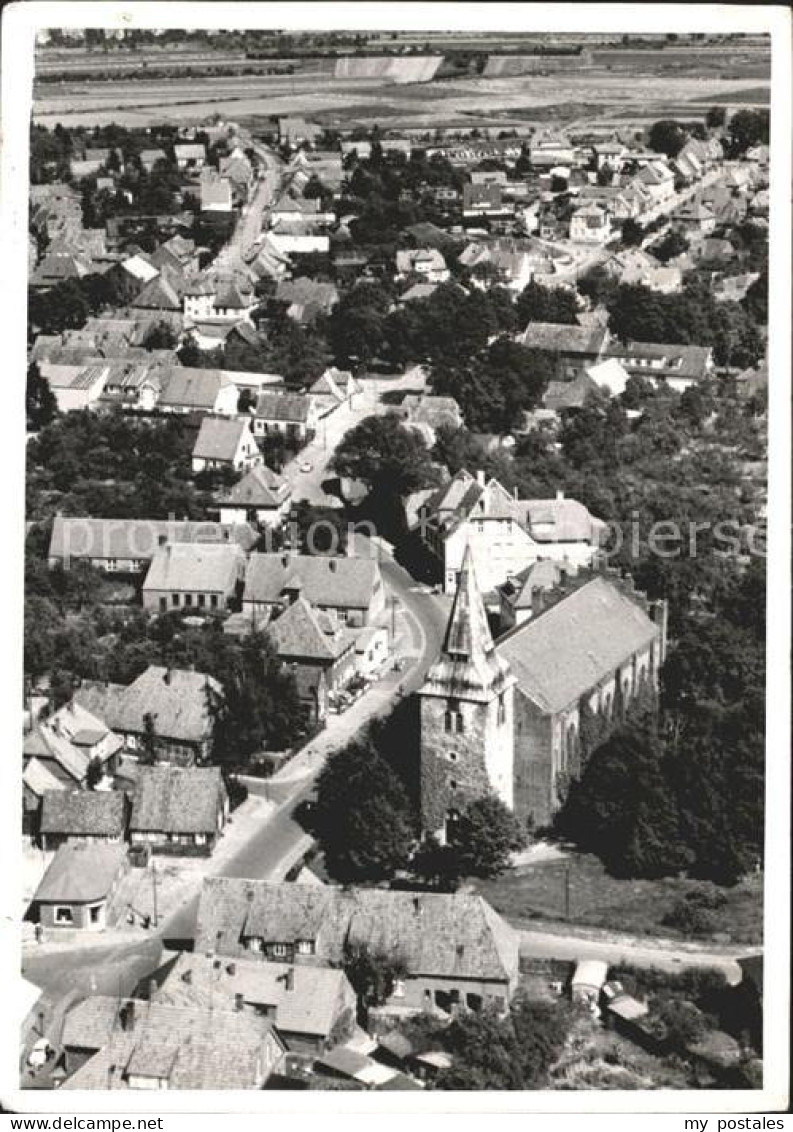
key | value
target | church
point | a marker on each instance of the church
(505, 716)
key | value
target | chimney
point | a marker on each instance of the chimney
(559, 496)
(126, 1015)
(332, 565)
(238, 1002)
(537, 601)
(152, 988)
(231, 969)
(289, 979)
(187, 976)
(480, 478)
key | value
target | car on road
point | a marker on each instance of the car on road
(40, 1054)
(306, 466)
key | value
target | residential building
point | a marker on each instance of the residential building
(179, 809)
(218, 298)
(294, 414)
(695, 217)
(657, 181)
(170, 708)
(428, 263)
(371, 650)
(520, 595)
(506, 716)
(150, 157)
(678, 366)
(351, 589)
(75, 387)
(312, 1008)
(188, 390)
(82, 815)
(127, 546)
(590, 225)
(455, 950)
(424, 411)
(548, 148)
(306, 637)
(504, 534)
(306, 298)
(334, 389)
(223, 443)
(576, 347)
(609, 375)
(79, 884)
(483, 200)
(66, 742)
(261, 497)
(293, 131)
(216, 193)
(199, 577)
(130, 1044)
(190, 155)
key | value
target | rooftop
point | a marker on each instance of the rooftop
(174, 799)
(81, 872)
(323, 580)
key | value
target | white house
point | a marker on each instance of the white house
(590, 225)
(428, 263)
(261, 497)
(223, 443)
(75, 387)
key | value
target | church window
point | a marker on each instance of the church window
(459, 722)
(502, 709)
(452, 783)
(452, 756)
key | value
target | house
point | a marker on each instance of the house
(678, 366)
(426, 411)
(566, 396)
(507, 716)
(179, 809)
(84, 815)
(505, 534)
(56, 267)
(576, 347)
(127, 546)
(657, 182)
(190, 155)
(417, 291)
(520, 595)
(508, 262)
(590, 225)
(134, 386)
(66, 743)
(294, 414)
(37, 779)
(150, 157)
(609, 375)
(293, 131)
(455, 950)
(548, 148)
(306, 298)
(75, 387)
(199, 577)
(160, 294)
(371, 650)
(238, 170)
(261, 497)
(188, 390)
(334, 389)
(694, 217)
(588, 980)
(223, 443)
(427, 263)
(483, 200)
(131, 1044)
(304, 636)
(297, 239)
(350, 589)
(216, 193)
(168, 706)
(79, 884)
(311, 1008)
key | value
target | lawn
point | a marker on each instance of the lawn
(635, 906)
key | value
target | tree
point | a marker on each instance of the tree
(161, 337)
(148, 755)
(537, 303)
(667, 136)
(372, 973)
(41, 407)
(384, 454)
(747, 128)
(715, 117)
(363, 818)
(631, 232)
(672, 244)
(485, 836)
(94, 773)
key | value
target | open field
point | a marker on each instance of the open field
(363, 101)
(599, 900)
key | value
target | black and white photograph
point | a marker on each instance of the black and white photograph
(401, 620)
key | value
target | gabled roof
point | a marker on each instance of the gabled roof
(194, 568)
(158, 294)
(566, 339)
(563, 653)
(519, 590)
(336, 383)
(38, 778)
(561, 395)
(192, 1048)
(81, 872)
(193, 388)
(260, 487)
(344, 582)
(176, 799)
(83, 813)
(219, 439)
(452, 935)
(311, 1006)
(559, 520)
(137, 538)
(282, 406)
(302, 633)
(176, 698)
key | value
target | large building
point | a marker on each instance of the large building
(505, 716)
(505, 534)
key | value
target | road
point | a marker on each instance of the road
(249, 226)
(630, 950)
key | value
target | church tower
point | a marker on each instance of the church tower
(467, 715)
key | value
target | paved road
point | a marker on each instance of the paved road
(110, 966)
(266, 189)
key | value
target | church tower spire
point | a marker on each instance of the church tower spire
(466, 702)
